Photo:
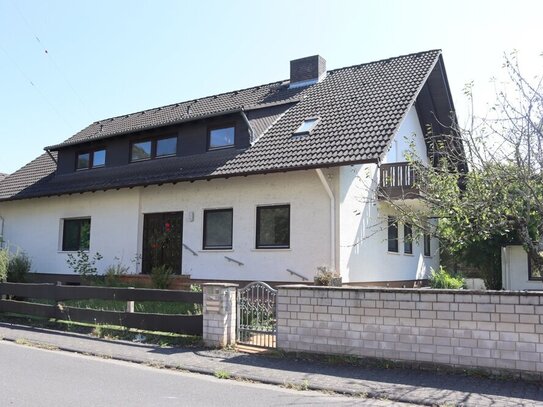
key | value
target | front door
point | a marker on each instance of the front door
(162, 241)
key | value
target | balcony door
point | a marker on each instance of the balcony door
(162, 241)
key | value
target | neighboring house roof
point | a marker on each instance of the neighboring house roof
(2, 176)
(359, 109)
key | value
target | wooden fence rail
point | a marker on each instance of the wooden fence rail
(187, 324)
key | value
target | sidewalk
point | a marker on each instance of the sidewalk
(412, 386)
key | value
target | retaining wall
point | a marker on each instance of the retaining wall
(492, 330)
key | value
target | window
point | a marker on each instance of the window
(222, 137)
(392, 234)
(141, 151)
(427, 248)
(307, 126)
(166, 147)
(156, 148)
(407, 239)
(99, 158)
(91, 159)
(217, 229)
(273, 227)
(534, 272)
(83, 161)
(76, 234)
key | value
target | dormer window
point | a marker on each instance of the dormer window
(91, 159)
(221, 137)
(156, 148)
(306, 127)
(141, 151)
(166, 147)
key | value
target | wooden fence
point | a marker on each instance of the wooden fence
(187, 324)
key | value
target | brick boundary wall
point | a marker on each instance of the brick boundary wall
(496, 331)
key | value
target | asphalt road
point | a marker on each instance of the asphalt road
(37, 377)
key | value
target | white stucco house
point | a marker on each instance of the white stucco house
(265, 183)
(517, 270)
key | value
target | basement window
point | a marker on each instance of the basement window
(306, 127)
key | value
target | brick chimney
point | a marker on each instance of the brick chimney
(307, 71)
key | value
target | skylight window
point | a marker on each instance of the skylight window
(307, 126)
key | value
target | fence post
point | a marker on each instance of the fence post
(219, 314)
(130, 304)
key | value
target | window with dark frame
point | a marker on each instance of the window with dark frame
(141, 150)
(76, 234)
(427, 247)
(91, 159)
(392, 234)
(534, 273)
(218, 229)
(221, 137)
(166, 147)
(273, 227)
(153, 148)
(407, 239)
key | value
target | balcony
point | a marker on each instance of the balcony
(396, 181)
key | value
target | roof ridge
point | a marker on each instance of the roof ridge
(255, 86)
(387, 59)
(187, 101)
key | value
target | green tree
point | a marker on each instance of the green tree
(486, 185)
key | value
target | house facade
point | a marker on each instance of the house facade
(265, 183)
(517, 271)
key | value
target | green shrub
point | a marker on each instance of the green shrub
(442, 279)
(4, 263)
(19, 267)
(161, 277)
(113, 274)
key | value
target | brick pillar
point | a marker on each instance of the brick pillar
(219, 314)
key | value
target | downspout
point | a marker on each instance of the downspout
(2, 232)
(332, 217)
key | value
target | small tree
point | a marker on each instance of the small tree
(83, 264)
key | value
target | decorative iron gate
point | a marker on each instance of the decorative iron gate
(257, 315)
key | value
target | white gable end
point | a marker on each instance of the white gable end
(409, 133)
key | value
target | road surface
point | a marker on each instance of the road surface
(38, 377)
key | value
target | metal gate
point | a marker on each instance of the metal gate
(257, 315)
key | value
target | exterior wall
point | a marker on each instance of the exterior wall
(515, 270)
(117, 225)
(467, 329)
(409, 133)
(363, 219)
(35, 226)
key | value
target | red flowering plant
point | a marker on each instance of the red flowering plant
(161, 239)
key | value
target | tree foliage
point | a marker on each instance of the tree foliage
(486, 184)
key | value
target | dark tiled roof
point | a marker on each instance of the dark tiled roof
(359, 108)
(35, 173)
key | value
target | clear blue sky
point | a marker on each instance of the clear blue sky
(106, 58)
